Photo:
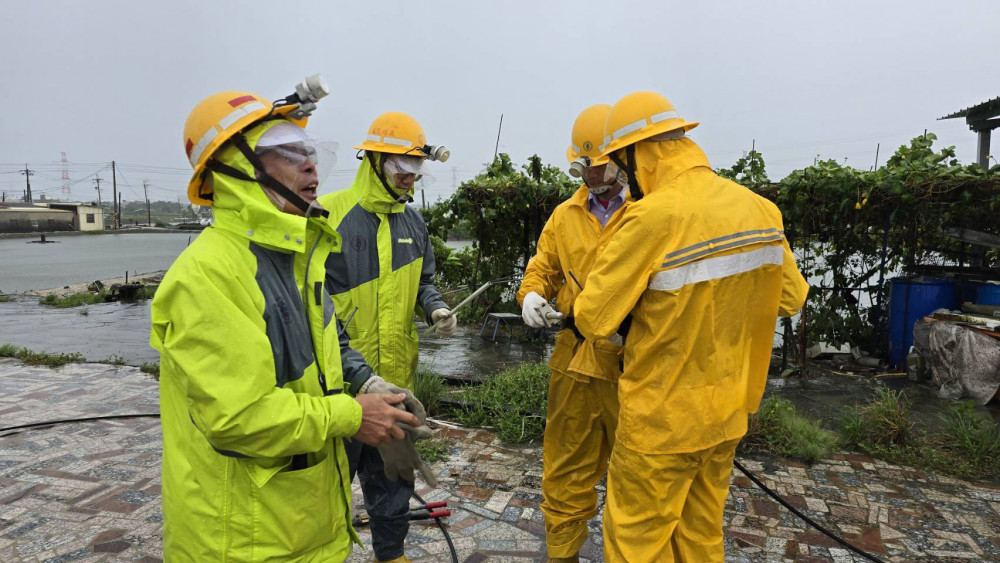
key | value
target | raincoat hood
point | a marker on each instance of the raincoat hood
(659, 163)
(371, 192)
(242, 207)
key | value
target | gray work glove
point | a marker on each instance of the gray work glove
(401, 457)
(376, 384)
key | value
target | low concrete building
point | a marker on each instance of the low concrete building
(30, 218)
(87, 216)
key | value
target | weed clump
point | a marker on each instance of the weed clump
(40, 358)
(779, 428)
(513, 401)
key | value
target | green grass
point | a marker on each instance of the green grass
(434, 449)
(39, 358)
(779, 428)
(72, 300)
(150, 368)
(884, 421)
(513, 402)
(429, 387)
(5, 298)
(967, 447)
(976, 438)
(115, 360)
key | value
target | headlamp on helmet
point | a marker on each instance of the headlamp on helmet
(438, 153)
(307, 93)
(579, 167)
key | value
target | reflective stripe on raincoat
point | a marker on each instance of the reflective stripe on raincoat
(702, 265)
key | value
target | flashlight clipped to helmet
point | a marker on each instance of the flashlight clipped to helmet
(307, 93)
(579, 166)
(438, 153)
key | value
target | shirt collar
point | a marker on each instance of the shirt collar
(592, 199)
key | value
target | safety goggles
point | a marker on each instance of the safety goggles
(404, 165)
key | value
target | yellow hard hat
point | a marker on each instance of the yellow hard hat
(213, 122)
(396, 133)
(588, 130)
(639, 116)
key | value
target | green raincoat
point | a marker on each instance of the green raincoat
(251, 375)
(385, 270)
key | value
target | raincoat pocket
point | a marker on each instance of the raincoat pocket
(294, 511)
(562, 353)
(599, 359)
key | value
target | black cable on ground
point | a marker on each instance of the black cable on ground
(795, 511)
(447, 536)
(86, 419)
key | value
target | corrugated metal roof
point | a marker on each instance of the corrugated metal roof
(987, 107)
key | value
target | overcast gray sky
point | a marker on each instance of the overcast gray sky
(105, 80)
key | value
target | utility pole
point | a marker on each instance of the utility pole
(115, 217)
(119, 210)
(145, 188)
(27, 173)
(97, 180)
(500, 128)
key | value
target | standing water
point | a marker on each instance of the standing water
(84, 258)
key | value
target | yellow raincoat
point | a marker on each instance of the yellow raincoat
(702, 266)
(254, 467)
(583, 395)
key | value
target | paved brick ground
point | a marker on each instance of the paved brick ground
(90, 492)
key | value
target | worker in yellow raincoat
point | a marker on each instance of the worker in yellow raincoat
(702, 268)
(253, 372)
(583, 391)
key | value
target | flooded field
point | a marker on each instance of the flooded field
(66, 259)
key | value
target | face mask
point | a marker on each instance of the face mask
(600, 179)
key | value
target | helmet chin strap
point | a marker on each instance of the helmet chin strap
(265, 179)
(398, 197)
(633, 181)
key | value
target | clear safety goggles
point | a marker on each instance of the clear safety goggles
(404, 165)
(295, 146)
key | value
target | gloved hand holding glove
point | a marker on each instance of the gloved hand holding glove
(376, 384)
(446, 322)
(537, 313)
(400, 457)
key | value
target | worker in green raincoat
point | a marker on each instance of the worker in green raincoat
(384, 275)
(257, 388)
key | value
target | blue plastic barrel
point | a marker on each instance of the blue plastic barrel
(988, 294)
(911, 299)
(965, 292)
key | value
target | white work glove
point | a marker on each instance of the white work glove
(537, 313)
(616, 339)
(447, 324)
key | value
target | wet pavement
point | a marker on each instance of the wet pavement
(107, 330)
(90, 491)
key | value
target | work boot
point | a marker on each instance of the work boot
(400, 559)
(573, 559)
